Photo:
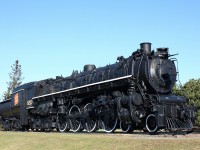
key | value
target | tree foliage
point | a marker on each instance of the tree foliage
(190, 90)
(15, 79)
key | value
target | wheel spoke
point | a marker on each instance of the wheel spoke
(75, 123)
(90, 120)
(110, 122)
(151, 124)
(63, 124)
(126, 128)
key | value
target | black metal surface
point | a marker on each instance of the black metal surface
(146, 47)
(5, 110)
(134, 92)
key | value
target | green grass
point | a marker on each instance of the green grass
(36, 141)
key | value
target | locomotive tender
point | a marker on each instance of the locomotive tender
(134, 93)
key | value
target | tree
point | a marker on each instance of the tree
(190, 90)
(15, 79)
(177, 89)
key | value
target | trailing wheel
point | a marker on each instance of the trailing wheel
(126, 128)
(90, 118)
(75, 123)
(63, 123)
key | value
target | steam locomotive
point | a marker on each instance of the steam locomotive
(133, 93)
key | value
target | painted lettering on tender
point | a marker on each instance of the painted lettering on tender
(16, 99)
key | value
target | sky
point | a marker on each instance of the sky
(55, 37)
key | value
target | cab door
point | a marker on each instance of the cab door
(28, 95)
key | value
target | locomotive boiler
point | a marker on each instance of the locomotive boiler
(133, 93)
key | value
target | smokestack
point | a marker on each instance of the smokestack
(146, 47)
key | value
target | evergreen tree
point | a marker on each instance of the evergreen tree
(15, 79)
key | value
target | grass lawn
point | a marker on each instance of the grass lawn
(53, 141)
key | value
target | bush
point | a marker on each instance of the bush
(190, 90)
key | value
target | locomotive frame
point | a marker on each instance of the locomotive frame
(134, 93)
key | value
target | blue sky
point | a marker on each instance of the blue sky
(51, 38)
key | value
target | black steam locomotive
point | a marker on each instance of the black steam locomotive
(134, 93)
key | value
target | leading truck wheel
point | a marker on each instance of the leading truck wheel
(126, 128)
(151, 124)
